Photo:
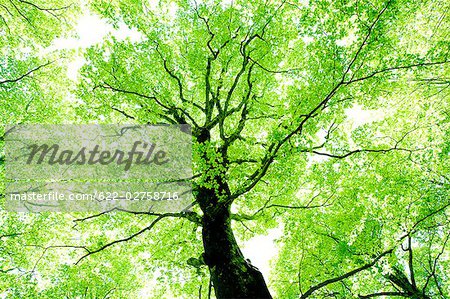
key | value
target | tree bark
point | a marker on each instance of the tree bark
(231, 274)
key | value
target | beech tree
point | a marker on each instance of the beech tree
(325, 120)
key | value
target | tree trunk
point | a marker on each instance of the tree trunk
(232, 276)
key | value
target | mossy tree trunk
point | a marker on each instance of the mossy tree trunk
(232, 275)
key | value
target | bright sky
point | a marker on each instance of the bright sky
(262, 249)
(90, 30)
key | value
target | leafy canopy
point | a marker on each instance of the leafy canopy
(328, 120)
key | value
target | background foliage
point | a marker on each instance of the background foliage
(355, 92)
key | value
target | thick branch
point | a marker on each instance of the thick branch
(25, 75)
(91, 252)
(344, 276)
(395, 294)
